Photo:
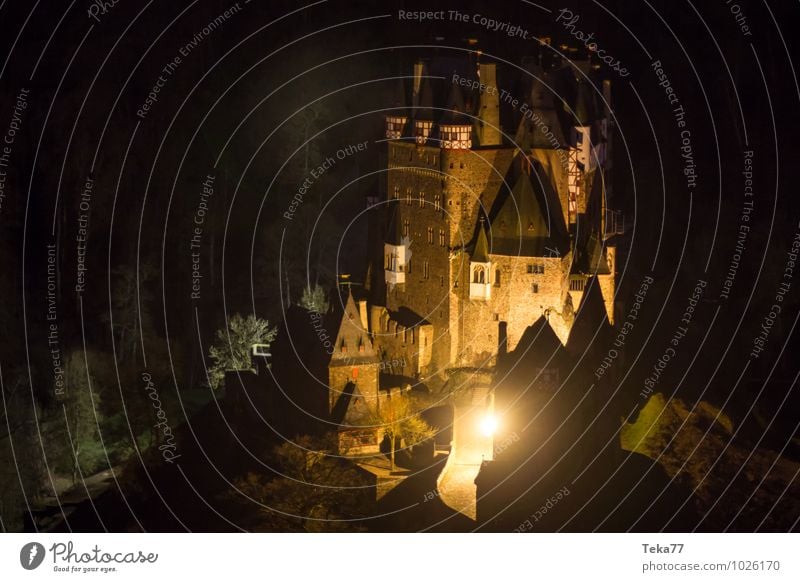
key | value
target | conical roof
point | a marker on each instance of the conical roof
(394, 233)
(455, 108)
(424, 108)
(528, 222)
(480, 253)
(355, 339)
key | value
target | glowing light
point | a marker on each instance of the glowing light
(488, 425)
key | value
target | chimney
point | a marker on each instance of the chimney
(489, 114)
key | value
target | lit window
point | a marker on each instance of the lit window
(394, 127)
(421, 199)
(425, 270)
(396, 192)
(422, 129)
(430, 235)
(437, 202)
(478, 276)
(406, 227)
(442, 238)
(408, 196)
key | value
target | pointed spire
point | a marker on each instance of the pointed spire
(480, 253)
(394, 233)
(455, 108)
(528, 220)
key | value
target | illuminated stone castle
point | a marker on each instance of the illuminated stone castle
(493, 218)
(495, 212)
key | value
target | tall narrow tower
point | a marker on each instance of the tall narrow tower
(489, 114)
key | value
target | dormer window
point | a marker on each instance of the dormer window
(394, 126)
(422, 130)
(457, 137)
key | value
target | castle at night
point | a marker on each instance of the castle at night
(491, 217)
(494, 216)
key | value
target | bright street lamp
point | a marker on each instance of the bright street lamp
(488, 425)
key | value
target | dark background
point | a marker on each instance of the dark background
(233, 98)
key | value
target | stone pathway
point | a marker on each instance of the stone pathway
(457, 488)
(457, 482)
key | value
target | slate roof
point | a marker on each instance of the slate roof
(528, 221)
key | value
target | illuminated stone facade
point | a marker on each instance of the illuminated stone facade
(495, 218)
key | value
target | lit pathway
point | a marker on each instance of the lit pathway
(457, 482)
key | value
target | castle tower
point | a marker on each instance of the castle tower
(489, 112)
(480, 287)
(353, 380)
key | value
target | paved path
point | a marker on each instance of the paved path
(457, 481)
(457, 488)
